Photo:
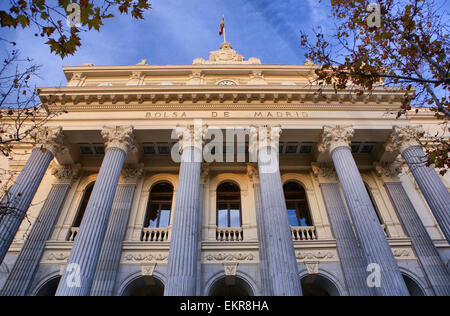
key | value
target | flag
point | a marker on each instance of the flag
(222, 26)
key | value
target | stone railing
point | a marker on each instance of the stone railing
(230, 234)
(155, 234)
(304, 233)
(73, 232)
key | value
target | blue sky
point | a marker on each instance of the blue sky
(178, 31)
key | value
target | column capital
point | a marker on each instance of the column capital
(264, 136)
(253, 174)
(66, 173)
(335, 136)
(204, 173)
(324, 171)
(403, 137)
(49, 138)
(191, 136)
(121, 137)
(388, 170)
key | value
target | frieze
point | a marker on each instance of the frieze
(304, 256)
(145, 257)
(229, 257)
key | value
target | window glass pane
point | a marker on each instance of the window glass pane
(152, 223)
(152, 216)
(304, 215)
(222, 218)
(303, 222)
(164, 218)
(292, 215)
(235, 218)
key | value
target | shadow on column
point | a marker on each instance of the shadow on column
(144, 286)
(230, 286)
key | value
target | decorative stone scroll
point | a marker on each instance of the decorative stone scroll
(48, 138)
(145, 257)
(120, 137)
(324, 170)
(66, 173)
(220, 257)
(133, 172)
(389, 170)
(335, 136)
(403, 137)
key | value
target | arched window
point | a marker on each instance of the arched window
(159, 206)
(297, 205)
(83, 205)
(228, 205)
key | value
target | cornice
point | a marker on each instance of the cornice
(162, 107)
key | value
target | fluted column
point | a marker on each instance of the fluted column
(183, 255)
(283, 268)
(404, 139)
(263, 264)
(109, 261)
(336, 140)
(351, 256)
(80, 270)
(25, 267)
(14, 205)
(426, 252)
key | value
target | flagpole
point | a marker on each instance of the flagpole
(224, 31)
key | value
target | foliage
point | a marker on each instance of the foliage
(408, 50)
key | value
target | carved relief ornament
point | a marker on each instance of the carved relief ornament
(66, 173)
(324, 170)
(389, 170)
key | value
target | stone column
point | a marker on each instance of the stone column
(15, 204)
(183, 255)
(204, 181)
(263, 264)
(429, 259)
(336, 141)
(404, 140)
(351, 256)
(109, 261)
(282, 262)
(80, 270)
(25, 267)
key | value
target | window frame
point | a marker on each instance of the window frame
(298, 203)
(228, 203)
(160, 203)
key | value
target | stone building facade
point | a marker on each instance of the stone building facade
(350, 209)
